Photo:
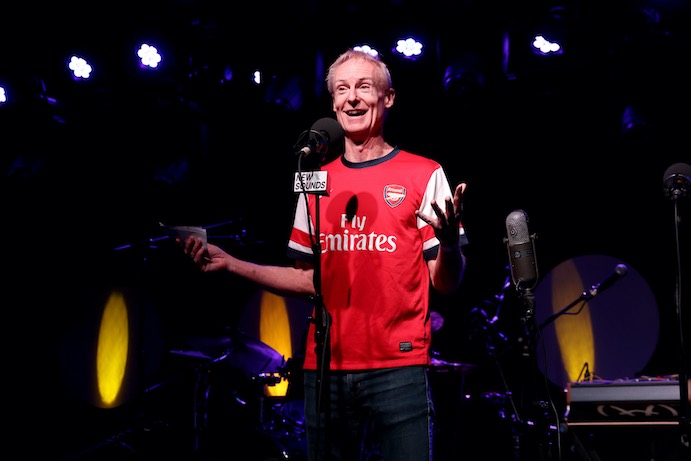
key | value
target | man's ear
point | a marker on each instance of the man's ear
(390, 97)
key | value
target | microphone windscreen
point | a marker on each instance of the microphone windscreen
(517, 227)
(678, 169)
(331, 129)
(677, 180)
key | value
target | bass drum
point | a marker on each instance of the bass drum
(281, 447)
(283, 430)
(473, 427)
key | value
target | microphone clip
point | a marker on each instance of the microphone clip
(325, 134)
(619, 271)
(311, 142)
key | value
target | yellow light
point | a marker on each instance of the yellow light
(574, 332)
(113, 342)
(274, 331)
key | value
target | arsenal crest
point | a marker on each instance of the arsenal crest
(394, 195)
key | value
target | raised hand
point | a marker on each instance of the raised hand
(446, 222)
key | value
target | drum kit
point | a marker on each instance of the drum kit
(231, 403)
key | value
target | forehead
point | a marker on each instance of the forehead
(355, 69)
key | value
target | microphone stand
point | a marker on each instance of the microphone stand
(322, 326)
(524, 288)
(585, 296)
(528, 319)
(322, 322)
(528, 344)
(684, 405)
(325, 133)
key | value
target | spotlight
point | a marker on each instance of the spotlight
(149, 57)
(81, 69)
(367, 49)
(550, 34)
(408, 48)
(543, 46)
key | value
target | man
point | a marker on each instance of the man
(390, 227)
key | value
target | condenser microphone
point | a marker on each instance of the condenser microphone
(324, 135)
(521, 250)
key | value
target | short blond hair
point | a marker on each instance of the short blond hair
(383, 82)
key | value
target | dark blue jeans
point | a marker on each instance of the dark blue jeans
(384, 414)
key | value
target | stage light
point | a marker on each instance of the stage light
(408, 48)
(80, 68)
(148, 56)
(550, 34)
(274, 330)
(112, 349)
(113, 345)
(541, 45)
(367, 49)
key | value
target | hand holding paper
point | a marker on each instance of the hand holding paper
(184, 232)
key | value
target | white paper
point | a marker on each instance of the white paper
(184, 232)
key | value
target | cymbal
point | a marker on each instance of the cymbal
(444, 366)
(242, 351)
(192, 354)
(207, 349)
(254, 356)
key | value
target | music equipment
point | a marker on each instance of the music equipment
(630, 402)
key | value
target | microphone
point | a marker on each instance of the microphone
(324, 134)
(620, 271)
(677, 180)
(521, 250)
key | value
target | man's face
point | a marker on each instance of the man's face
(359, 103)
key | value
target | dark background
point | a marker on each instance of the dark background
(86, 174)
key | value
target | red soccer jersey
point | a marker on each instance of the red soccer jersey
(375, 281)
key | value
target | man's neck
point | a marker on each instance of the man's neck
(371, 149)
